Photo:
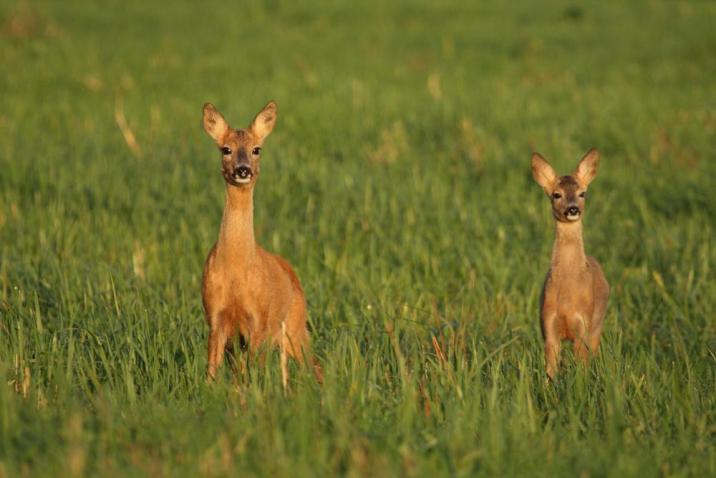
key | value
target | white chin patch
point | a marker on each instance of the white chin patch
(242, 180)
(572, 217)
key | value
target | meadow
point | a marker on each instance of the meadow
(397, 183)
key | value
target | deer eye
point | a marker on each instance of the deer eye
(556, 195)
(256, 151)
(582, 194)
(226, 151)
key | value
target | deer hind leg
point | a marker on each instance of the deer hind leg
(296, 342)
(298, 347)
(594, 338)
(601, 298)
(595, 334)
(285, 345)
(237, 364)
(581, 347)
(293, 344)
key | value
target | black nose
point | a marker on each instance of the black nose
(242, 172)
(572, 211)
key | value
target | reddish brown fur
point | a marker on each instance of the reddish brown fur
(575, 292)
(246, 290)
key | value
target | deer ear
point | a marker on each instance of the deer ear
(215, 124)
(265, 121)
(543, 173)
(587, 167)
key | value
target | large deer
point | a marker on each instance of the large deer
(575, 292)
(246, 290)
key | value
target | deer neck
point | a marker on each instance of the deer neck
(568, 255)
(236, 244)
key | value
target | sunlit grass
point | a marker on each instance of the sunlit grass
(397, 183)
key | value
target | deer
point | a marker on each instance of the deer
(247, 291)
(575, 292)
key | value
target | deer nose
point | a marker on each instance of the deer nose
(572, 211)
(242, 172)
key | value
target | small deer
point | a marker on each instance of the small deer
(575, 293)
(246, 290)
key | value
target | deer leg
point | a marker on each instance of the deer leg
(594, 338)
(581, 351)
(297, 344)
(551, 353)
(595, 334)
(285, 345)
(238, 369)
(217, 341)
(553, 334)
(218, 337)
(580, 344)
(295, 339)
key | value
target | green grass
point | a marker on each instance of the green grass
(397, 183)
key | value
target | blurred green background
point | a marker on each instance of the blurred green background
(397, 183)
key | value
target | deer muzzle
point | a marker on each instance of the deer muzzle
(572, 213)
(242, 174)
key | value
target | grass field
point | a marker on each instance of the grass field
(397, 183)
